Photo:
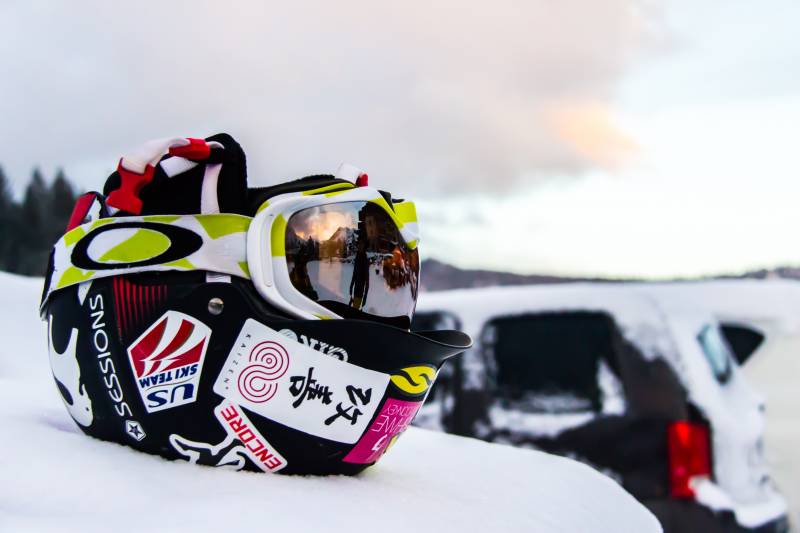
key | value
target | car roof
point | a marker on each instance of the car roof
(772, 305)
(637, 314)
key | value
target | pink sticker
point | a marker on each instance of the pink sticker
(394, 418)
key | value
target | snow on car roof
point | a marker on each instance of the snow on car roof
(637, 314)
(771, 304)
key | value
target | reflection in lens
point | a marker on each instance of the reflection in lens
(351, 258)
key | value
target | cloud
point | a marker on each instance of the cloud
(428, 96)
(590, 129)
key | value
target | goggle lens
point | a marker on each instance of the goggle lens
(351, 258)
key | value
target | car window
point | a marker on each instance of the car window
(549, 362)
(717, 352)
(434, 320)
(743, 340)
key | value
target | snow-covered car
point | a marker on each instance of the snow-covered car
(602, 373)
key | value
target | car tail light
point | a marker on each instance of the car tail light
(689, 456)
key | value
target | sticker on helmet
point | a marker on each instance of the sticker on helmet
(414, 380)
(257, 448)
(327, 349)
(392, 420)
(243, 442)
(102, 346)
(167, 360)
(228, 453)
(134, 430)
(292, 384)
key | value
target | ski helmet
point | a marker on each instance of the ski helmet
(264, 329)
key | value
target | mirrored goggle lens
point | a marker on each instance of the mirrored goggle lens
(350, 258)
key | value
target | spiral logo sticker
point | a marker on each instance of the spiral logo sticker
(268, 362)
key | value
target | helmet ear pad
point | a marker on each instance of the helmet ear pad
(110, 315)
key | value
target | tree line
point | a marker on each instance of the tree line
(30, 227)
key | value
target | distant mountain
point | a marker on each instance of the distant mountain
(768, 273)
(438, 276)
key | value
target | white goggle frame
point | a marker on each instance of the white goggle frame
(266, 237)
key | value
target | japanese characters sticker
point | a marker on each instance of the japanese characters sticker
(299, 387)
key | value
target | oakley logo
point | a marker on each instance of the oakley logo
(333, 351)
(134, 244)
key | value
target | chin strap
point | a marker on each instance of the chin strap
(115, 246)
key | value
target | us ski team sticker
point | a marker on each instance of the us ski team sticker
(299, 387)
(167, 360)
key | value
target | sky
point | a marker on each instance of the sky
(612, 138)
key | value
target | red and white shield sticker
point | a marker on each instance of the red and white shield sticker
(167, 360)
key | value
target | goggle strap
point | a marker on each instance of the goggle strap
(115, 246)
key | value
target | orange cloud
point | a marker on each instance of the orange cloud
(590, 130)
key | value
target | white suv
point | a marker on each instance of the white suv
(601, 373)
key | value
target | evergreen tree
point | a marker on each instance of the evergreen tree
(8, 229)
(33, 230)
(34, 203)
(61, 201)
(29, 229)
(6, 199)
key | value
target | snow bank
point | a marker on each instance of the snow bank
(55, 478)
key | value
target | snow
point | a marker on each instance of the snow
(56, 479)
(771, 304)
(639, 320)
(548, 416)
(751, 516)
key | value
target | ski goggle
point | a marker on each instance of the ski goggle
(335, 252)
